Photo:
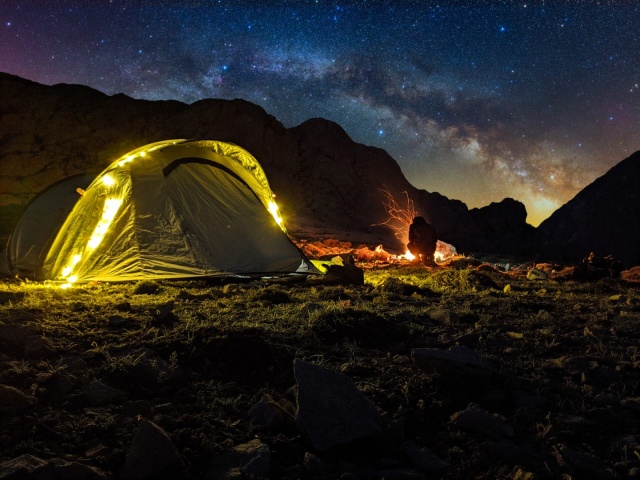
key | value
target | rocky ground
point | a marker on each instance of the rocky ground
(462, 371)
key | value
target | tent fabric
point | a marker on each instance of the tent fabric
(174, 209)
(40, 221)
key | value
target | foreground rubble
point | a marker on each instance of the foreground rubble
(419, 373)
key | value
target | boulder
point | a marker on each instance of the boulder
(331, 409)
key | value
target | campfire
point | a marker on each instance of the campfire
(365, 254)
(444, 252)
(400, 217)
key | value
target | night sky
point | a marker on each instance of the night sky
(478, 101)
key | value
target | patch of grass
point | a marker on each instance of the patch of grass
(201, 354)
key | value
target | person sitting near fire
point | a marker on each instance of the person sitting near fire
(422, 240)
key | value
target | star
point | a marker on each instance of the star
(455, 92)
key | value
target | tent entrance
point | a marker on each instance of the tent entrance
(224, 223)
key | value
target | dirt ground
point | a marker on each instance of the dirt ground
(81, 369)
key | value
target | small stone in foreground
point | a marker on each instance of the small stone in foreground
(7, 297)
(331, 409)
(312, 464)
(12, 398)
(97, 393)
(248, 460)
(455, 361)
(424, 459)
(510, 454)
(23, 466)
(28, 466)
(15, 336)
(267, 412)
(481, 421)
(151, 455)
(582, 462)
(75, 470)
(442, 316)
(401, 474)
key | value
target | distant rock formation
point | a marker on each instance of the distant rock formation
(603, 218)
(323, 179)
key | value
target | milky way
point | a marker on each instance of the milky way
(477, 101)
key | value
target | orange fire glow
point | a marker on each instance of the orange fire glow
(401, 217)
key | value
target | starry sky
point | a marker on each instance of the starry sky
(475, 100)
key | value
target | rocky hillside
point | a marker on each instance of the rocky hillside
(324, 180)
(604, 218)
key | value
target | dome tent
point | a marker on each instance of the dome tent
(173, 209)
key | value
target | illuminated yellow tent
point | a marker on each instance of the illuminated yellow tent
(174, 209)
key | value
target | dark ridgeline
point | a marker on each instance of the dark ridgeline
(323, 179)
(604, 217)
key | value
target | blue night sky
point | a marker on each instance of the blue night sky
(476, 100)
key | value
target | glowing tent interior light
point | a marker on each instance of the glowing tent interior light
(275, 212)
(109, 211)
(108, 180)
(126, 160)
(66, 271)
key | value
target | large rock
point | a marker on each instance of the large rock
(324, 180)
(331, 409)
(603, 218)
